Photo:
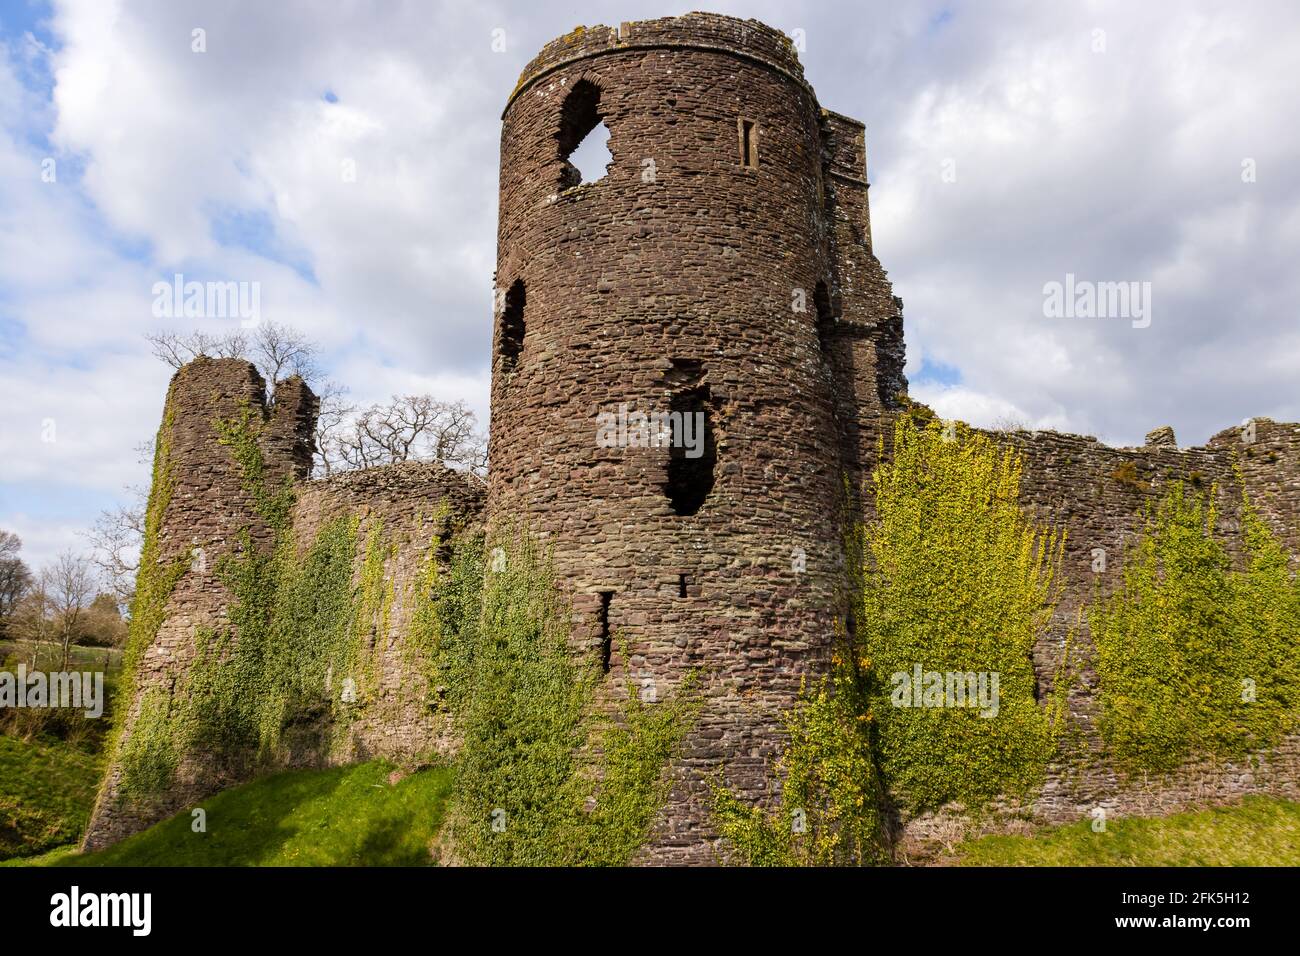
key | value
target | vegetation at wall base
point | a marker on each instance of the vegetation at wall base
(549, 773)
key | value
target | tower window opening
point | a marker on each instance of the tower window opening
(583, 137)
(681, 585)
(748, 132)
(606, 641)
(693, 453)
(511, 342)
(825, 318)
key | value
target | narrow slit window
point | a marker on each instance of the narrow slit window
(606, 640)
(748, 131)
(825, 318)
(681, 585)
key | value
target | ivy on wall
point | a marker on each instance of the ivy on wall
(831, 800)
(546, 775)
(155, 581)
(1196, 658)
(957, 580)
(955, 585)
(297, 630)
(549, 771)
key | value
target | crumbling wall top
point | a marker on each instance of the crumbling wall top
(749, 39)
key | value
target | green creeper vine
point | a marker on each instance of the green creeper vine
(831, 799)
(953, 579)
(547, 776)
(1196, 658)
(958, 580)
(156, 579)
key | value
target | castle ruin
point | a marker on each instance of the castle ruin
(722, 271)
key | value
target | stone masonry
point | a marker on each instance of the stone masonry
(722, 270)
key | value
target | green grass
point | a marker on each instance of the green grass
(47, 789)
(345, 816)
(1259, 831)
(49, 656)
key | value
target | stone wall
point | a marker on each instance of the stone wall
(409, 511)
(1098, 495)
(412, 510)
(208, 506)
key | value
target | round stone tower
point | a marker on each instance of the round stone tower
(664, 408)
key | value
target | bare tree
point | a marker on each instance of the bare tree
(69, 585)
(332, 418)
(33, 619)
(177, 348)
(281, 350)
(277, 350)
(15, 577)
(117, 537)
(408, 427)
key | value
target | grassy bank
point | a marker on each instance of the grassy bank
(344, 816)
(1259, 831)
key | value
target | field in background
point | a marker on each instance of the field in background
(50, 761)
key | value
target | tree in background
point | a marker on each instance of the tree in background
(115, 538)
(64, 606)
(408, 428)
(277, 350)
(102, 624)
(69, 585)
(15, 578)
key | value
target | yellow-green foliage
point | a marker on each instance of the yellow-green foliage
(155, 581)
(445, 615)
(830, 812)
(956, 578)
(564, 782)
(297, 631)
(952, 576)
(1196, 658)
(370, 621)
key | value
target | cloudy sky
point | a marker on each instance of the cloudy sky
(1008, 145)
